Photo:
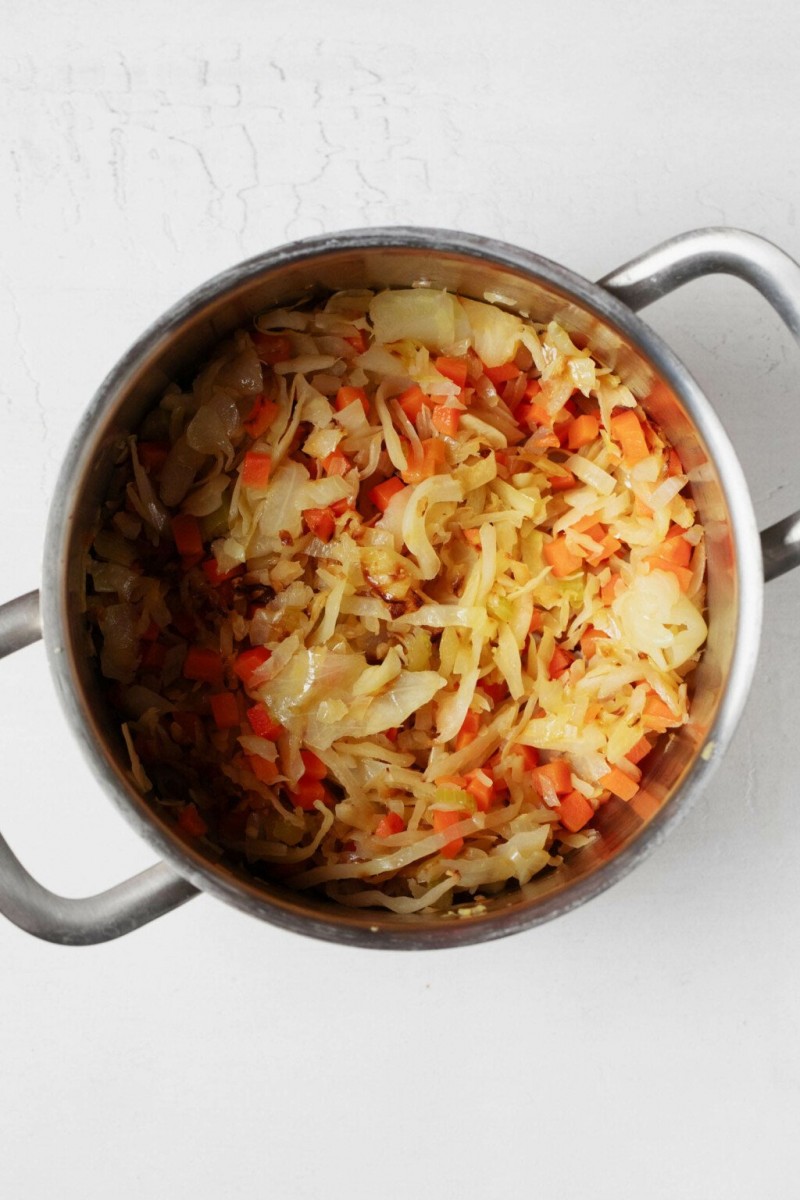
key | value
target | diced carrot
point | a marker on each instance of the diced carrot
(262, 723)
(152, 455)
(481, 790)
(389, 824)
(272, 348)
(191, 822)
(187, 535)
(532, 389)
(443, 818)
(574, 812)
(589, 525)
(537, 623)
(500, 783)
(562, 483)
(154, 656)
(589, 639)
(582, 431)
(434, 455)
(340, 507)
(676, 550)
(561, 430)
(657, 714)
(224, 710)
(674, 465)
(558, 773)
(248, 662)
(446, 420)
(213, 574)
(610, 546)
(349, 395)
(561, 560)
(594, 531)
(357, 340)
(262, 768)
(468, 731)
(314, 767)
(256, 469)
(412, 402)
(203, 665)
(609, 590)
(502, 373)
(391, 734)
(523, 415)
(473, 536)
(262, 414)
(540, 415)
(495, 691)
(639, 751)
(560, 662)
(320, 522)
(683, 574)
(452, 368)
(626, 428)
(550, 441)
(453, 781)
(619, 784)
(308, 791)
(528, 754)
(382, 494)
(336, 463)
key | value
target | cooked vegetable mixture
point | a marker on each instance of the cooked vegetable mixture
(395, 596)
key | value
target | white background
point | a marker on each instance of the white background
(646, 1045)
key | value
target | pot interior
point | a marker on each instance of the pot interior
(175, 347)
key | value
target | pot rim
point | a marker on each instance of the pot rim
(748, 581)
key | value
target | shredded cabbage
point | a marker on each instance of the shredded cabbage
(400, 642)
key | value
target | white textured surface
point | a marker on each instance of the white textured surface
(647, 1045)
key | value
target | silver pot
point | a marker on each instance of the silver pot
(605, 313)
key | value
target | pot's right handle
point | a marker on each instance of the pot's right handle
(728, 252)
(55, 918)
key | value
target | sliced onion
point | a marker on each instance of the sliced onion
(589, 473)
(666, 491)
(179, 472)
(152, 511)
(207, 499)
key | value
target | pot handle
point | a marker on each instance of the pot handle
(721, 251)
(73, 922)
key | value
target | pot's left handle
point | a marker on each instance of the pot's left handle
(75, 922)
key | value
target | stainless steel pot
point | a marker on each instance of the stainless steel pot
(605, 313)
